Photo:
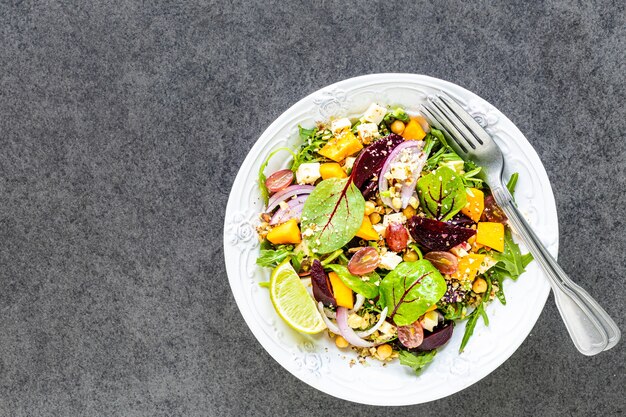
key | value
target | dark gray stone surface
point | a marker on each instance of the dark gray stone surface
(122, 126)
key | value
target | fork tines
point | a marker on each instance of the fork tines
(449, 116)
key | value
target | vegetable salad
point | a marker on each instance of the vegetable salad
(394, 236)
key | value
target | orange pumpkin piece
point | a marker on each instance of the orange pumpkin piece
(288, 232)
(475, 204)
(413, 131)
(491, 234)
(341, 146)
(343, 294)
(332, 170)
(366, 231)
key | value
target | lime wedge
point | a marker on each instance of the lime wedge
(292, 301)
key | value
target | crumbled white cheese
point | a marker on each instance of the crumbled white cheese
(348, 163)
(459, 251)
(389, 260)
(486, 264)
(380, 229)
(308, 173)
(367, 132)
(374, 114)
(430, 320)
(339, 125)
(387, 330)
(394, 218)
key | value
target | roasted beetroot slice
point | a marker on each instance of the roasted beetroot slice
(461, 219)
(369, 189)
(371, 160)
(436, 235)
(438, 337)
(321, 285)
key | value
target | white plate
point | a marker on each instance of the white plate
(315, 359)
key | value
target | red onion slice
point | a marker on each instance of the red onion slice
(383, 184)
(381, 320)
(287, 193)
(347, 332)
(358, 304)
(331, 326)
(409, 188)
(292, 211)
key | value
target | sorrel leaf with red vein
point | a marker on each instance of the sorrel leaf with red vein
(332, 215)
(441, 193)
(411, 289)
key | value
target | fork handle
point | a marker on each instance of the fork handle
(592, 330)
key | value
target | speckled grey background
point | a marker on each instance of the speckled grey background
(123, 124)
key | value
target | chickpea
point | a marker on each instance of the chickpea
(375, 218)
(341, 342)
(410, 256)
(384, 351)
(409, 212)
(369, 207)
(397, 127)
(479, 286)
(396, 203)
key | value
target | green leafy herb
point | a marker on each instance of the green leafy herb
(271, 258)
(511, 260)
(397, 114)
(512, 183)
(367, 288)
(264, 193)
(410, 289)
(314, 139)
(333, 213)
(472, 319)
(441, 193)
(417, 361)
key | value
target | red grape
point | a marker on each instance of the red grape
(364, 261)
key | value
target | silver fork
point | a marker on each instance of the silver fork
(592, 330)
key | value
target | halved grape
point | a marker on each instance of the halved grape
(493, 212)
(279, 180)
(364, 261)
(396, 237)
(412, 335)
(445, 262)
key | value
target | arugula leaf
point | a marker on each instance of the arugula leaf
(512, 183)
(367, 289)
(333, 213)
(264, 193)
(511, 260)
(417, 361)
(498, 275)
(441, 193)
(314, 139)
(271, 258)
(479, 311)
(397, 114)
(410, 289)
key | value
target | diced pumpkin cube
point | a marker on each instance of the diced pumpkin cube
(332, 170)
(341, 146)
(468, 267)
(288, 232)
(343, 294)
(475, 204)
(413, 131)
(491, 234)
(366, 231)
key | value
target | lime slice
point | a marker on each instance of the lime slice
(292, 301)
